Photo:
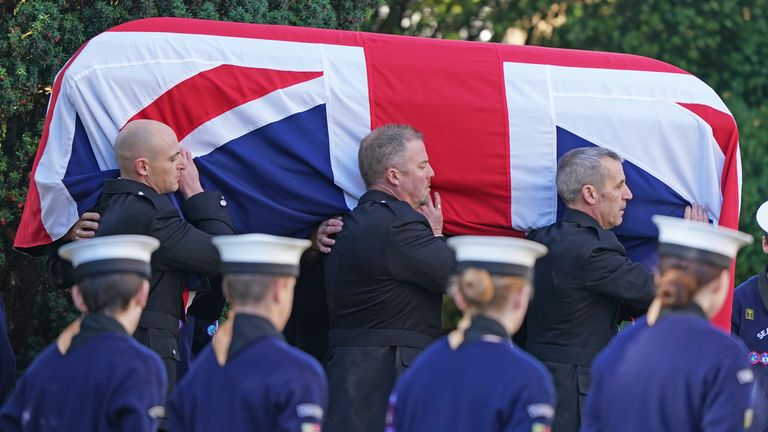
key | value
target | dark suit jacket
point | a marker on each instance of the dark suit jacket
(385, 280)
(581, 284)
(387, 269)
(129, 207)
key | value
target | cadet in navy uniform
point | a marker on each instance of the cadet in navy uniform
(385, 279)
(476, 379)
(152, 164)
(96, 377)
(249, 378)
(672, 370)
(749, 321)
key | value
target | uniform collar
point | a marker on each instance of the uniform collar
(691, 308)
(762, 286)
(123, 185)
(239, 331)
(376, 195)
(248, 328)
(580, 218)
(93, 325)
(485, 328)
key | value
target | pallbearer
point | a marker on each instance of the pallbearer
(672, 370)
(476, 379)
(96, 377)
(249, 379)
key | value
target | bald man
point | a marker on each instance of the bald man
(152, 164)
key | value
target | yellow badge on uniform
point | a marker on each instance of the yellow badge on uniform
(749, 314)
(541, 427)
(748, 414)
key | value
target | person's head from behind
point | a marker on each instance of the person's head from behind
(111, 294)
(694, 263)
(111, 275)
(260, 273)
(591, 180)
(477, 291)
(393, 158)
(494, 277)
(149, 152)
(270, 296)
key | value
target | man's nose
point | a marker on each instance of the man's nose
(627, 193)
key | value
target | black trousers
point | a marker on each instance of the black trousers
(360, 380)
(571, 386)
(166, 344)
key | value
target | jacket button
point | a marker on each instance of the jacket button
(223, 202)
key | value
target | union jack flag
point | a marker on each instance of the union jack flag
(273, 116)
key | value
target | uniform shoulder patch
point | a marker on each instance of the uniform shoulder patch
(309, 410)
(745, 376)
(541, 410)
(156, 412)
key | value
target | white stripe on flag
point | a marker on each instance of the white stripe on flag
(532, 146)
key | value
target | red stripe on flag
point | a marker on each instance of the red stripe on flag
(211, 93)
(31, 231)
(456, 98)
(727, 136)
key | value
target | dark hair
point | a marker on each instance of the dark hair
(580, 167)
(482, 290)
(382, 148)
(247, 288)
(109, 292)
(680, 279)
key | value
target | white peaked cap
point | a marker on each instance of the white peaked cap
(499, 255)
(700, 241)
(762, 216)
(260, 253)
(110, 254)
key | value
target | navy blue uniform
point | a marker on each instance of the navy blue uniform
(680, 374)
(486, 384)
(265, 384)
(749, 321)
(103, 381)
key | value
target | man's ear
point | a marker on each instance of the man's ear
(589, 194)
(77, 299)
(143, 293)
(393, 176)
(141, 166)
(765, 246)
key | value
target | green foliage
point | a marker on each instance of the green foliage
(753, 130)
(721, 42)
(37, 37)
(524, 21)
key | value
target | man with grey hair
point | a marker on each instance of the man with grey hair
(586, 281)
(385, 279)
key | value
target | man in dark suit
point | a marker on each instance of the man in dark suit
(152, 164)
(586, 281)
(385, 279)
